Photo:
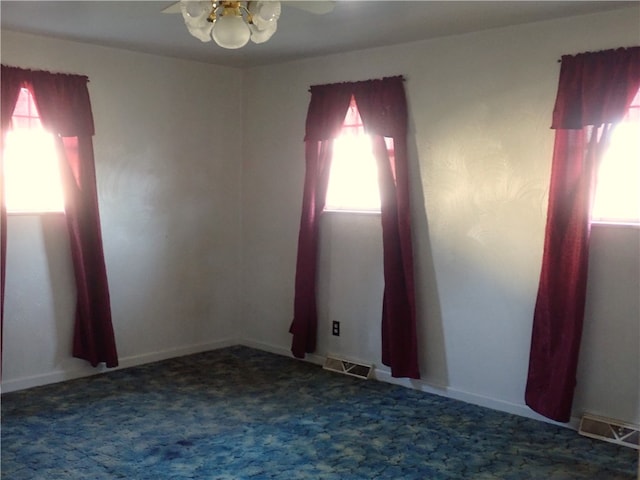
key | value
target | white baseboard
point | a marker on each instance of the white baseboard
(86, 370)
(384, 375)
(176, 352)
(521, 410)
(380, 374)
(266, 347)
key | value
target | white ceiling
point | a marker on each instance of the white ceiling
(352, 25)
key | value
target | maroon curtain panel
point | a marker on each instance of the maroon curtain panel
(65, 109)
(383, 109)
(10, 85)
(594, 92)
(327, 110)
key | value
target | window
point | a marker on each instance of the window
(617, 196)
(32, 177)
(353, 180)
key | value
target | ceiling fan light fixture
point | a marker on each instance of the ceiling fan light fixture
(231, 31)
(195, 14)
(195, 9)
(264, 13)
(262, 35)
(231, 23)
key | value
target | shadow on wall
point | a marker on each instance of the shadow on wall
(485, 191)
(351, 285)
(40, 297)
(431, 344)
(608, 377)
(63, 289)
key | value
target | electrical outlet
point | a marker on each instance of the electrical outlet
(335, 328)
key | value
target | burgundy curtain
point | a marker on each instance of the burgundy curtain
(383, 109)
(65, 109)
(10, 85)
(595, 90)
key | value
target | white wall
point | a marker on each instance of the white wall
(480, 157)
(169, 195)
(351, 285)
(609, 365)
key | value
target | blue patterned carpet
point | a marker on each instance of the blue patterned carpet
(239, 413)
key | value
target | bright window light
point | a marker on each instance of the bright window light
(353, 180)
(617, 196)
(31, 175)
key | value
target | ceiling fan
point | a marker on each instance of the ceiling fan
(231, 24)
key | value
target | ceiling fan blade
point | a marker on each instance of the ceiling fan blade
(319, 7)
(173, 8)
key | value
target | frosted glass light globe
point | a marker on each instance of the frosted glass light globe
(195, 9)
(264, 13)
(268, 10)
(195, 18)
(261, 35)
(231, 31)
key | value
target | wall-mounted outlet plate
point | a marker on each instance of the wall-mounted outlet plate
(335, 328)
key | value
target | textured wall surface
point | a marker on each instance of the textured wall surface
(169, 196)
(480, 145)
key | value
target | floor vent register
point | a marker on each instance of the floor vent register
(610, 430)
(348, 368)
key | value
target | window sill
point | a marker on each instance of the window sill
(33, 214)
(352, 212)
(605, 224)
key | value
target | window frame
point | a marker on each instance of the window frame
(353, 125)
(632, 116)
(27, 116)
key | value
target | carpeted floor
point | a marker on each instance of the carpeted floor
(239, 413)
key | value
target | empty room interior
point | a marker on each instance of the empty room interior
(201, 157)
